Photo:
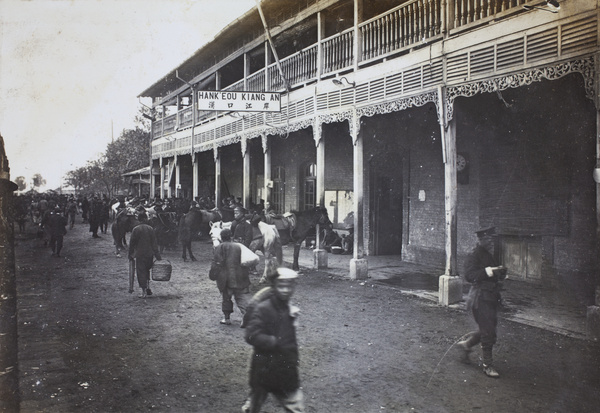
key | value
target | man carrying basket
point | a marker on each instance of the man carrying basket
(143, 248)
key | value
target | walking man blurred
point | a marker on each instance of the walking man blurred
(272, 333)
(484, 274)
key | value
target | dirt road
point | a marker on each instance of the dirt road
(87, 345)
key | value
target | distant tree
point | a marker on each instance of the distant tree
(79, 179)
(129, 152)
(21, 183)
(38, 181)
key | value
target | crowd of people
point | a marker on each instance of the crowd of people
(268, 316)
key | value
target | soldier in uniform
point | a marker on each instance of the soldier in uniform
(484, 274)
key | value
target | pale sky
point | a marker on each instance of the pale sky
(71, 68)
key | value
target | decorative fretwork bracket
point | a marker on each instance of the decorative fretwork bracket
(265, 142)
(215, 149)
(317, 131)
(584, 66)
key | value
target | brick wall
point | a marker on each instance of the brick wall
(292, 152)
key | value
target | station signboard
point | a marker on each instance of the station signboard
(239, 101)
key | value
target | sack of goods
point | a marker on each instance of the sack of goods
(249, 259)
(161, 270)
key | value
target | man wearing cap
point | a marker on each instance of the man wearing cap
(143, 248)
(232, 279)
(241, 227)
(272, 333)
(484, 274)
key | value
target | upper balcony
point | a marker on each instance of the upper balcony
(323, 41)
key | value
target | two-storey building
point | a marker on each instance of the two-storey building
(425, 118)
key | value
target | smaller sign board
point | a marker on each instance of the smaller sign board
(239, 101)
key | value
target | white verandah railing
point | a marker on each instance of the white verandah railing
(394, 31)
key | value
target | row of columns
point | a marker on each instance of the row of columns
(358, 264)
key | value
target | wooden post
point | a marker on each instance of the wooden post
(267, 160)
(152, 181)
(320, 255)
(320, 31)
(246, 196)
(177, 176)
(195, 176)
(450, 189)
(162, 179)
(450, 285)
(320, 144)
(267, 63)
(358, 264)
(217, 176)
(356, 46)
(246, 70)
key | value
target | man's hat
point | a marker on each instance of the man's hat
(284, 273)
(240, 208)
(226, 234)
(486, 231)
(142, 216)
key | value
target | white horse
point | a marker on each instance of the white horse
(266, 241)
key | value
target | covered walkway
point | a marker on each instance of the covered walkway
(559, 310)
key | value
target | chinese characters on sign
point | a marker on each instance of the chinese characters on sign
(239, 101)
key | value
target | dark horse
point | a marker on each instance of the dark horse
(298, 226)
(197, 220)
(165, 228)
(123, 224)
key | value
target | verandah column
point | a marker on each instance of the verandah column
(246, 173)
(450, 285)
(177, 175)
(267, 163)
(319, 255)
(217, 176)
(195, 176)
(358, 264)
(162, 178)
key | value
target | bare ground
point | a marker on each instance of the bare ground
(86, 345)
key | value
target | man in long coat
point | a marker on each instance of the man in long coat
(57, 227)
(143, 248)
(484, 274)
(272, 333)
(233, 279)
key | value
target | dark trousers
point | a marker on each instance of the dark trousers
(242, 298)
(56, 243)
(486, 317)
(142, 268)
